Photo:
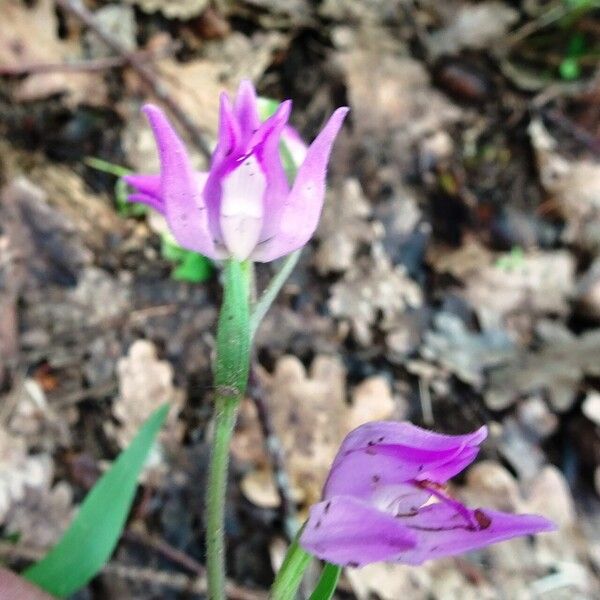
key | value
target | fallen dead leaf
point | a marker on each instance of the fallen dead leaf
(372, 287)
(343, 228)
(145, 384)
(172, 9)
(310, 417)
(29, 36)
(558, 368)
(465, 353)
(41, 516)
(20, 470)
(574, 186)
(539, 283)
(471, 26)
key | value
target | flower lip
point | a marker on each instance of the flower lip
(398, 470)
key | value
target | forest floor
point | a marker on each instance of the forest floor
(454, 279)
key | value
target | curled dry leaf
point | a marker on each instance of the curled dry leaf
(145, 384)
(373, 287)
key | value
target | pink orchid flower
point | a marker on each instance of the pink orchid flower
(384, 500)
(243, 207)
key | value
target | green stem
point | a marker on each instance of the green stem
(231, 379)
(271, 291)
(289, 576)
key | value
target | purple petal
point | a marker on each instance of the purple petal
(246, 110)
(302, 209)
(242, 207)
(267, 141)
(443, 531)
(182, 196)
(390, 453)
(346, 531)
(151, 201)
(145, 183)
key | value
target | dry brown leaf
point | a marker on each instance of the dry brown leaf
(29, 35)
(19, 471)
(558, 368)
(41, 516)
(372, 400)
(196, 85)
(472, 26)
(372, 287)
(145, 384)
(172, 9)
(574, 186)
(310, 417)
(470, 258)
(343, 227)
(539, 283)
(389, 91)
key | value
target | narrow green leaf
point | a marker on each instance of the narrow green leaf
(327, 582)
(289, 577)
(92, 536)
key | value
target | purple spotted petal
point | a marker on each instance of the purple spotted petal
(442, 531)
(346, 531)
(302, 208)
(392, 453)
(182, 197)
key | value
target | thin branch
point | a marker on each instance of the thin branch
(177, 581)
(98, 64)
(276, 454)
(146, 74)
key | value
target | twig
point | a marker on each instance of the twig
(145, 73)
(98, 64)
(177, 581)
(282, 482)
(170, 552)
(579, 133)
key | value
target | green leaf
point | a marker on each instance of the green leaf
(327, 582)
(289, 577)
(190, 266)
(91, 538)
(194, 268)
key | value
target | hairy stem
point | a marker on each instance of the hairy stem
(231, 379)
